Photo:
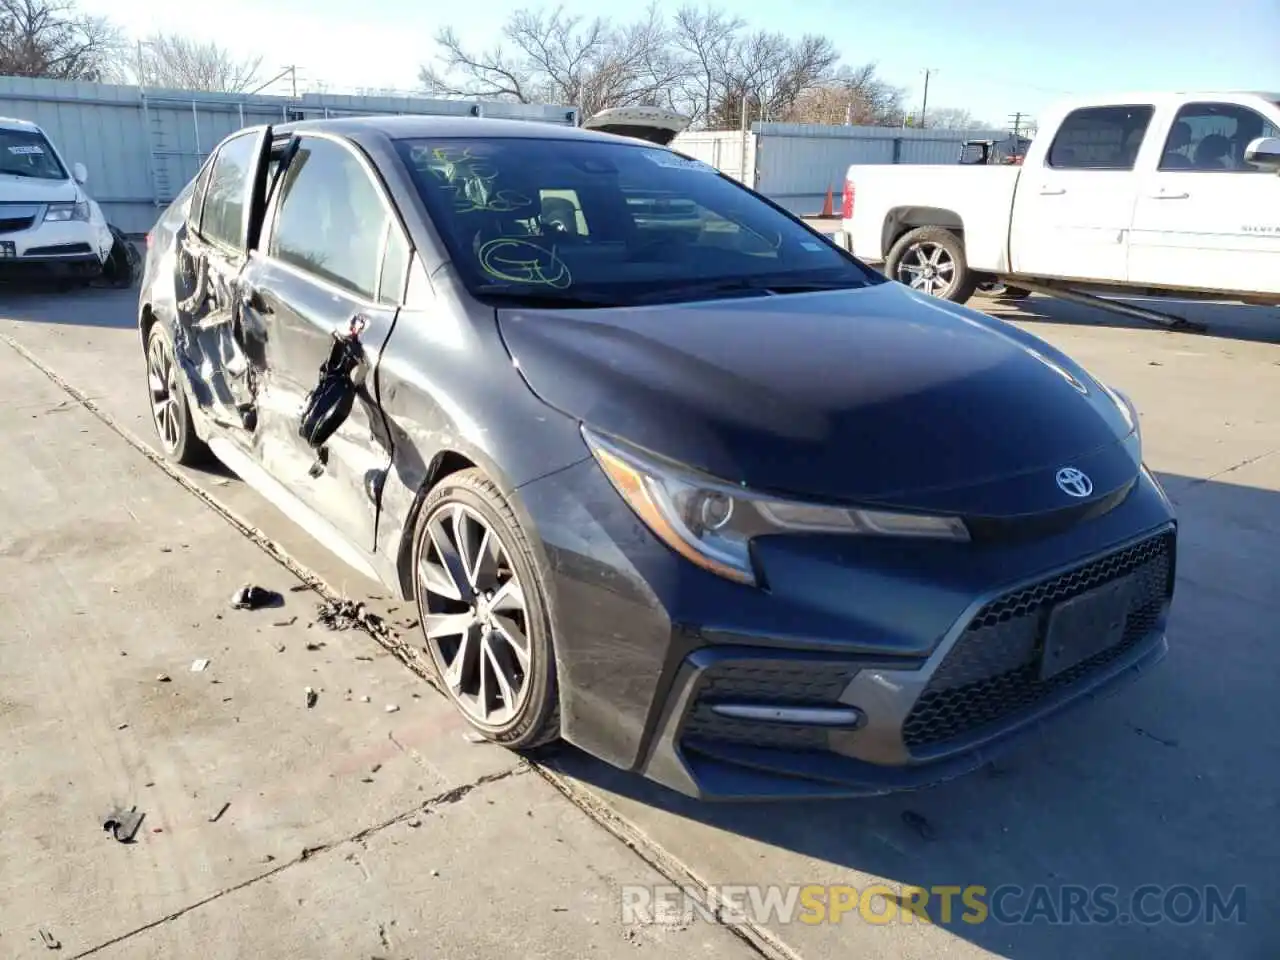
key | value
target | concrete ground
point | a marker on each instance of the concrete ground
(354, 832)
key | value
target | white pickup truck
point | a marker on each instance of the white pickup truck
(1167, 194)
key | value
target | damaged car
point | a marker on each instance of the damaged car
(50, 228)
(668, 474)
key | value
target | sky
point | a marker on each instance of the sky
(991, 57)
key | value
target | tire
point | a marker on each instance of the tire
(531, 718)
(918, 260)
(178, 440)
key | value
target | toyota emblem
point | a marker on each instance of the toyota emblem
(1074, 483)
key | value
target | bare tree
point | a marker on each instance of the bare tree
(180, 63)
(50, 38)
(767, 72)
(704, 39)
(556, 58)
(955, 118)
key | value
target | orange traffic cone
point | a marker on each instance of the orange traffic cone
(827, 210)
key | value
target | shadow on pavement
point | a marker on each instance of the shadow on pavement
(84, 307)
(1170, 782)
(1226, 321)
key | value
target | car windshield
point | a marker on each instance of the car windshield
(583, 223)
(26, 153)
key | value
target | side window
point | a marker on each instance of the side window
(1100, 138)
(331, 218)
(395, 267)
(223, 216)
(1213, 137)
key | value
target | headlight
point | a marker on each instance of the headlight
(1125, 405)
(62, 212)
(712, 523)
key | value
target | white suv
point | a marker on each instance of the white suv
(49, 227)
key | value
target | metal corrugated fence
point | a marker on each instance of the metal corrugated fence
(142, 146)
(794, 164)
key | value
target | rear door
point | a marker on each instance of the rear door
(332, 249)
(1071, 214)
(1205, 217)
(212, 253)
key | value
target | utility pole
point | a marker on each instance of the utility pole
(1016, 122)
(293, 75)
(924, 105)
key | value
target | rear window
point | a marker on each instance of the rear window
(26, 153)
(623, 222)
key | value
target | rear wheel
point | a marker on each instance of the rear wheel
(482, 606)
(932, 260)
(169, 410)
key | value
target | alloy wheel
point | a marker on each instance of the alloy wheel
(474, 615)
(166, 407)
(929, 268)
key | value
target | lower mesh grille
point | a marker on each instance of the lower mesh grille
(993, 669)
(811, 683)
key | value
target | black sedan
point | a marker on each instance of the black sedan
(669, 475)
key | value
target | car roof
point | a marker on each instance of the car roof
(13, 123)
(414, 127)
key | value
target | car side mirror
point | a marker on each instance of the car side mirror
(79, 172)
(1264, 152)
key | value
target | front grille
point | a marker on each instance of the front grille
(14, 224)
(993, 669)
(810, 683)
(59, 250)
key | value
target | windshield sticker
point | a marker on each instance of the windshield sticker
(665, 158)
(27, 150)
(521, 261)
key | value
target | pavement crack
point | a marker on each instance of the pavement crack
(451, 796)
(1247, 461)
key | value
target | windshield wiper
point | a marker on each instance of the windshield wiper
(747, 287)
(546, 298)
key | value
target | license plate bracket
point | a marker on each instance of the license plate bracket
(1084, 626)
(8, 250)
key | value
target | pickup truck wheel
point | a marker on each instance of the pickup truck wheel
(932, 260)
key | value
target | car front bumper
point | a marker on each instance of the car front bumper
(864, 666)
(32, 248)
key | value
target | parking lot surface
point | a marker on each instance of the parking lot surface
(352, 831)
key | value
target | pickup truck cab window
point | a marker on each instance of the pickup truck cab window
(1213, 137)
(226, 194)
(1100, 138)
(331, 221)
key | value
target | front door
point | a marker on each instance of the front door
(331, 251)
(211, 254)
(1206, 218)
(1071, 215)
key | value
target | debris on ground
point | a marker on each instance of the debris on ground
(221, 810)
(199, 666)
(347, 615)
(392, 708)
(301, 588)
(123, 824)
(415, 823)
(312, 697)
(919, 824)
(253, 597)
(122, 726)
(366, 698)
(365, 659)
(163, 678)
(313, 646)
(285, 623)
(50, 941)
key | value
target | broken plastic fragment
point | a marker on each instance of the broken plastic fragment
(123, 824)
(199, 666)
(312, 697)
(253, 597)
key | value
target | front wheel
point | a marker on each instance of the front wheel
(482, 606)
(170, 412)
(932, 260)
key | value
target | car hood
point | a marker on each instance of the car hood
(871, 395)
(33, 190)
